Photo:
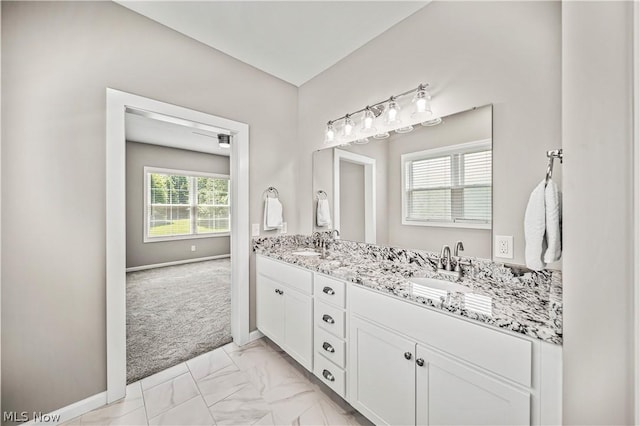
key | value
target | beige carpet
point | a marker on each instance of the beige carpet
(176, 313)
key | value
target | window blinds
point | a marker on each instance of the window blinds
(452, 186)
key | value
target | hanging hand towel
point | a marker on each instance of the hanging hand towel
(272, 214)
(534, 228)
(553, 218)
(323, 214)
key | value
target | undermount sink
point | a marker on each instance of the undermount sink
(306, 253)
(435, 289)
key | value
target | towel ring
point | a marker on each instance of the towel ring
(322, 195)
(271, 191)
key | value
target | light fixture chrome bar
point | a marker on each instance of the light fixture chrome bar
(420, 87)
(176, 120)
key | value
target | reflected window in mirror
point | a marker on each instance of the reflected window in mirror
(448, 186)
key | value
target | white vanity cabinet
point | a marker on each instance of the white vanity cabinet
(412, 365)
(284, 307)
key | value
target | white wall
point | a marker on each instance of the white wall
(58, 60)
(473, 54)
(597, 112)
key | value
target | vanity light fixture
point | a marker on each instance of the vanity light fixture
(330, 134)
(419, 113)
(349, 125)
(224, 141)
(392, 116)
(367, 122)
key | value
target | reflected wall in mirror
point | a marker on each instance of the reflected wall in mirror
(418, 190)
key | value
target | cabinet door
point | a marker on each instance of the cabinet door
(298, 327)
(382, 374)
(270, 308)
(451, 393)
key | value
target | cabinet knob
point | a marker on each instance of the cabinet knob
(327, 318)
(327, 347)
(327, 375)
(329, 291)
(420, 362)
(407, 355)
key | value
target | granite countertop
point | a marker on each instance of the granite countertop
(521, 301)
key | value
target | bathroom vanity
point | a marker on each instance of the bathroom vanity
(405, 345)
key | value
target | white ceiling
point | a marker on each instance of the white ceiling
(159, 132)
(292, 40)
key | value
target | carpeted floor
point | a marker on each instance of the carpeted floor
(176, 313)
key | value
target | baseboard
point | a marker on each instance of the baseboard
(176, 262)
(71, 411)
(255, 335)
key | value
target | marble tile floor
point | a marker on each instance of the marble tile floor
(255, 384)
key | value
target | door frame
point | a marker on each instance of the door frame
(117, 103)
(636, 205)
(369, 190)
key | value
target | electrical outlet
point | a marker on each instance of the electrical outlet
(283, 230)
(503, 246)
(255, 229)
(193, 248)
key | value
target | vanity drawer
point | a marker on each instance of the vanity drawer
(330, 347)
(297, 278)
(329, 290)
(332, 376)
(330, 318)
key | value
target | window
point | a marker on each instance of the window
(448, 186)
(180, 204)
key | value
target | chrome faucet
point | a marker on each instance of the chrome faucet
(445, 256)
(456, 257)
(335, 234)
(459, 247)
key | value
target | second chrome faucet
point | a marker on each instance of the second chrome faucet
(446, 262)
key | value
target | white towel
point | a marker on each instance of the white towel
(534, 228)
(323, 214)
(272, 214)
(553, 216)
(542, 226)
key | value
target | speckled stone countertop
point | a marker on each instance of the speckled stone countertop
(522, 301)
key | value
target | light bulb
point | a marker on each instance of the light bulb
(367, 122)
(347, 130)
(330, 134)
(421, 106)
(392, 116)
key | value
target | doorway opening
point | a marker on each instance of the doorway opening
(119, 105)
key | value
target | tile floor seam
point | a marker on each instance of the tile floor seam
(144, 403)
(175, 406)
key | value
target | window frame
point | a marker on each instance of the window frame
(147, 171)
(479, 145)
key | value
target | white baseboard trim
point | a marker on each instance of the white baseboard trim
(177, 262)
(71, 411)
(255, 335)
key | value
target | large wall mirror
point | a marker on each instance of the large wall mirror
(422, 189)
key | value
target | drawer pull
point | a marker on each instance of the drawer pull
(420, 362)
(327, 347)
(327, 375)
(329, 291)
(407, 355)
(327, 318)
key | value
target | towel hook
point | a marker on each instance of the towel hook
(322, 195)
(552, 155)
(272, 191)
